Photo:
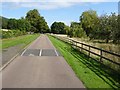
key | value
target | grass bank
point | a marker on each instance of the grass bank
(90, 72)
(25, 39)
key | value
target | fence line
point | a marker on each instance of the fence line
(100, 55)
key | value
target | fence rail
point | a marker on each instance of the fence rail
(100, 55)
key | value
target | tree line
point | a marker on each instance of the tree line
(90, 25)
(33, 22)
(104, 27)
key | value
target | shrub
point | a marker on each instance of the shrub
(12, 33)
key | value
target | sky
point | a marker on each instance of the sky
(61, 11)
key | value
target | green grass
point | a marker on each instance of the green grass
(90, 72)
(24, 40)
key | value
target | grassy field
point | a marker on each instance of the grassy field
(90, 72)
(25, 39)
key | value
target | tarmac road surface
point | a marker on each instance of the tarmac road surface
(40, 66)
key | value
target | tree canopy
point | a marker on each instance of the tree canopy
(58, 28)
(3, 22)
(88, 19)
(76, 30)
(104, 27)
(32, 22)
(37, 22)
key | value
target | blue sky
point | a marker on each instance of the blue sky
(65, 12)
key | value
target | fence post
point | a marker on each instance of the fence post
(89, 52)
(68, 40)
(71, 42)
(81, 47)
(101, 55)
(76, 45)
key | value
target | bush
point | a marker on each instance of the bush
(7, 34)
(12, 33)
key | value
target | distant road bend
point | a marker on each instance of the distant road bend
(40, 66)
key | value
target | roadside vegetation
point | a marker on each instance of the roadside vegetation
(33, 22)
(92, 73)
(15, 34)
(12, 33)
(104, 28)
(99, 31)
(23, 40)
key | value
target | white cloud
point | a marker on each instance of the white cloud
(38, 5)
(48, 4)
(42, 5)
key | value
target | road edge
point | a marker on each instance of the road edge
(7, 63)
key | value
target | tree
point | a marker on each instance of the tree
(117, 34)
(12, 24)
(88, 20)
(73, 29)
(58, 28)
(33, 16)
(42, 25)
(67, 29)
(104, 28)
(76, 30)
(37, 21)
(3, 22)
(115, 22)
(54, 28)
(23, 24)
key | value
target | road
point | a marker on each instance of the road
(40, 66)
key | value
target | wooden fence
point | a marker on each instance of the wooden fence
(88, 48)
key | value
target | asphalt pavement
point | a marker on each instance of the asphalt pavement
(40, 66)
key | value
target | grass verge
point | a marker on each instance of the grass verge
(90, 72)
(25, 39)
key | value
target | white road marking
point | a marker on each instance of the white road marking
(56, 53)
(23, 52)
(40, 52)
(31, 55)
